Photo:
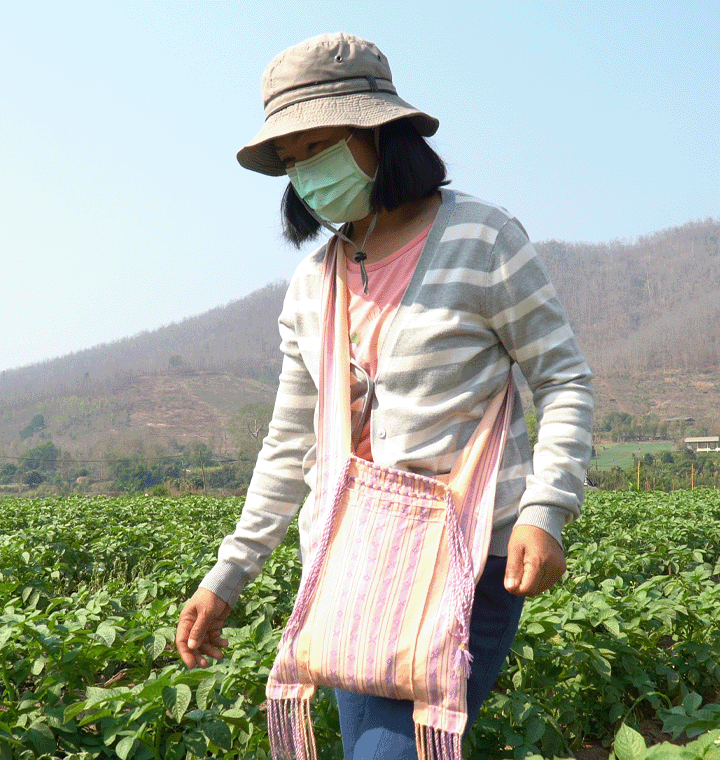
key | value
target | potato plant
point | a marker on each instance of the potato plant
(90, 591)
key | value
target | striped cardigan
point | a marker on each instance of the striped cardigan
(478, 302)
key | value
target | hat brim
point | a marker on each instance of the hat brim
(365, 110)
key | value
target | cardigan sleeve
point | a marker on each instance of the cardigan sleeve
(532, 325)
(277, 488)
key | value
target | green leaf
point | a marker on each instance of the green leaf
(151, 690)
(707, 744)
(236, 716)
(629, 745)
(107, 633)
(95, 717)
(125, 747)
(155, 645)
(692, 702)
(218, 733)
(203, 691)
(612, 625)
(72, 711)
(196, 743)
(534, 730)
(6, 633)
(39, 665)
(6, 735)
(42, 738)
(667, 751)
(177, 699)
(602, 666)
(95, 694)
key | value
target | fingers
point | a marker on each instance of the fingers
(535, 561)
(199, 627)
(201, 642)
(515, 569)
(182, 637)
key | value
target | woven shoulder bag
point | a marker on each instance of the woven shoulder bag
(385, 601)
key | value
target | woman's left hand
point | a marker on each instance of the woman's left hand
(535, 561)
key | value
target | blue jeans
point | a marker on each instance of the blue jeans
(377, 728)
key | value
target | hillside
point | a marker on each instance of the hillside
(646, 313)
(649, 306)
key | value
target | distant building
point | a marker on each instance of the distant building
(706, 443)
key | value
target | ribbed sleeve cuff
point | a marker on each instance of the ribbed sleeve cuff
(225, 580)
(550, 519)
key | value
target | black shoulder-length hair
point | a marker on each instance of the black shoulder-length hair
(409, 170)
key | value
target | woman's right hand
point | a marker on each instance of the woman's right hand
(199, 628)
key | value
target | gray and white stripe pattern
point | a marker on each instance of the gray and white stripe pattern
(479, 301)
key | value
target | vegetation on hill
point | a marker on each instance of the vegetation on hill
(646, 314)
(645, 306)
(240, 338)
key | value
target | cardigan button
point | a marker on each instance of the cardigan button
(381, 433)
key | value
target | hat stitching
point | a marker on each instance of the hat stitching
(361, 80)
(324, 97)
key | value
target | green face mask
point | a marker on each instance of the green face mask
(333, 185)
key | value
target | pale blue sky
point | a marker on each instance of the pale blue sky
(123, 208)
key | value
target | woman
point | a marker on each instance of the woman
(445, 295)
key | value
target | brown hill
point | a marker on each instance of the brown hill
(646, 313)
(649, 306)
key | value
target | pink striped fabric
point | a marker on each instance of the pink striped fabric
(384, 606)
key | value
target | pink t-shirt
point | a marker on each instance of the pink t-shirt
(370, 315)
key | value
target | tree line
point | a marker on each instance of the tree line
(161, 469)
(622, 427)
(665, 471)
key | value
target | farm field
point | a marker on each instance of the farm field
(620, 455)
(625, 651)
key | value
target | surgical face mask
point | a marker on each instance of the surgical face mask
(333, 185)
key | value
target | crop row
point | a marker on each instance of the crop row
(90, 591)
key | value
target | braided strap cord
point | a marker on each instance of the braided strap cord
(463, 585)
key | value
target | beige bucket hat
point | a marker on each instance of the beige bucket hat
(327, 81)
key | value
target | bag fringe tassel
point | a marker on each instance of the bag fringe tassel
(292, 737)
(291, 730)
(435, 744)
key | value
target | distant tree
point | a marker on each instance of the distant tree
(138, 477)
(199, 454)
(7, 473)
(36, 425)
(43, 458)
(249, 427)
(32, 478)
